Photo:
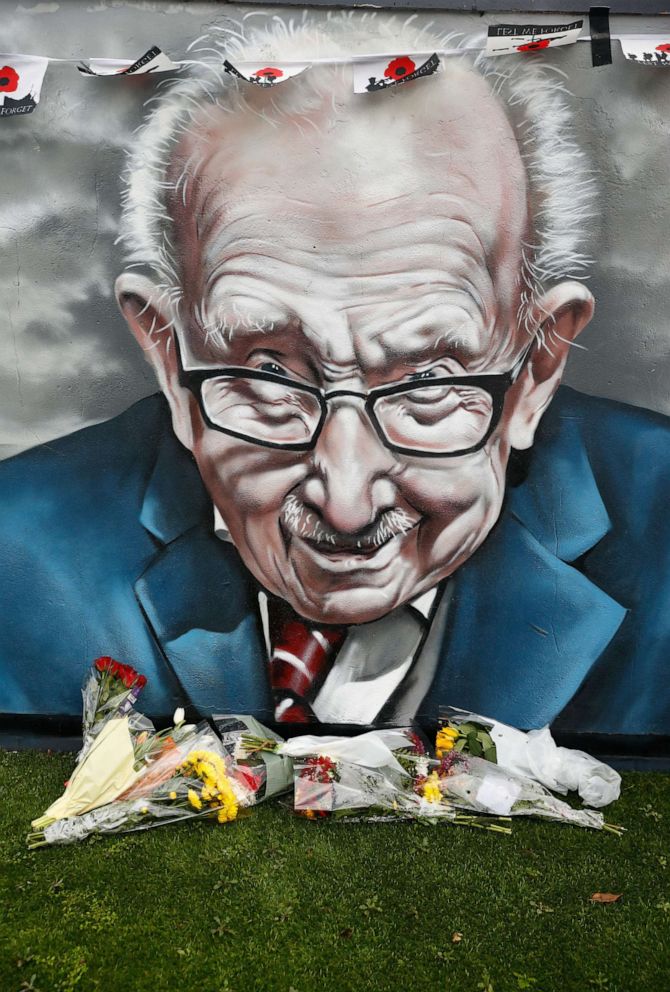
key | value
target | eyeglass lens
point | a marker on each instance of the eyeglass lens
(432, 418)
(265, 411)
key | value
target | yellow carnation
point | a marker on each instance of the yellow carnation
(227, 813)
(194, 799)
(431, 789)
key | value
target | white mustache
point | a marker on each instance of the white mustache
(302, 522)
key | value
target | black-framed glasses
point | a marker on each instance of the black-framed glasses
(442, 417)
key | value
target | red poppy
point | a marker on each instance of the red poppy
(269, 71)
(665, 47)
(399, 68)
(9, 79)
(534, 46)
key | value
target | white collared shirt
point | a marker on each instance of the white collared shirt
(375, 658)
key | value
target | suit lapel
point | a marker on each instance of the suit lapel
(197, 595)
(525, 626)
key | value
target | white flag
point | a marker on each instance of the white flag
(152, 61)
(21, 79)
(652, 50)
(265, 73)
(506, 38)
(379, 74)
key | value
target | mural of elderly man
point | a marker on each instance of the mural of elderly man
(361, 492)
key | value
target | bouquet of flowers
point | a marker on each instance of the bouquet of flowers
(380, 775)
(110, 691)
(112, 732)
(267, 773)
(532, 755)
(476, 784)
(187, 777)
(130, 777)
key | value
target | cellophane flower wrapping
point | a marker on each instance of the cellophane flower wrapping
(110, 691)
(267, 773)
(189, 776)
(379, 775)
(111, 729)
(475, 784)
(533, 754)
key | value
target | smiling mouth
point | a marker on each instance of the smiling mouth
(341, 549)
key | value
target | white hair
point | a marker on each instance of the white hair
(561, 186)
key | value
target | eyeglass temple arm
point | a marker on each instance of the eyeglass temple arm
(517, 368)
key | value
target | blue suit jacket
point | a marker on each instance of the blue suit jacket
(562, 616)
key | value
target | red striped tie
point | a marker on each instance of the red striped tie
(301, 657)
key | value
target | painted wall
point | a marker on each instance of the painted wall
(543, 583)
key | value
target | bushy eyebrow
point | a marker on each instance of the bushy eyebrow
(445, 347)
(217, 334)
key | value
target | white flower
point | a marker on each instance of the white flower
(178, 716)
(422, 766)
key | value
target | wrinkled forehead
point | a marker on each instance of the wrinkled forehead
(334, 174)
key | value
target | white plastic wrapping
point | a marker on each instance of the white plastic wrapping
(372, 750)
(536, 755)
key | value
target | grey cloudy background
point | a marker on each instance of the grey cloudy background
(66, 359)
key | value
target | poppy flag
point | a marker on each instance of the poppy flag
(651, 50)
(380, 73)
(265, 73)
(21, 78)
(152, 61)
(507, 39)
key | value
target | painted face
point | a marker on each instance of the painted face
(383, 248)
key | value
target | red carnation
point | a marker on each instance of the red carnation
(269, 72)
(103, 663)
(321, 769)
(665, 47)
(128, 678)
(534, 46)
(399, 68)
(141, 681)
(9, 79)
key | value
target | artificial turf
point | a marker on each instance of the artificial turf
(274, 902)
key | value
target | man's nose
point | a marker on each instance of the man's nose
(352, 482)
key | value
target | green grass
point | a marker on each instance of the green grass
(273, 902)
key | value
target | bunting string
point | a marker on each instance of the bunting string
(22, 76)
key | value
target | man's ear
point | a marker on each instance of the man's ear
(560, 314)
(147, 313)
